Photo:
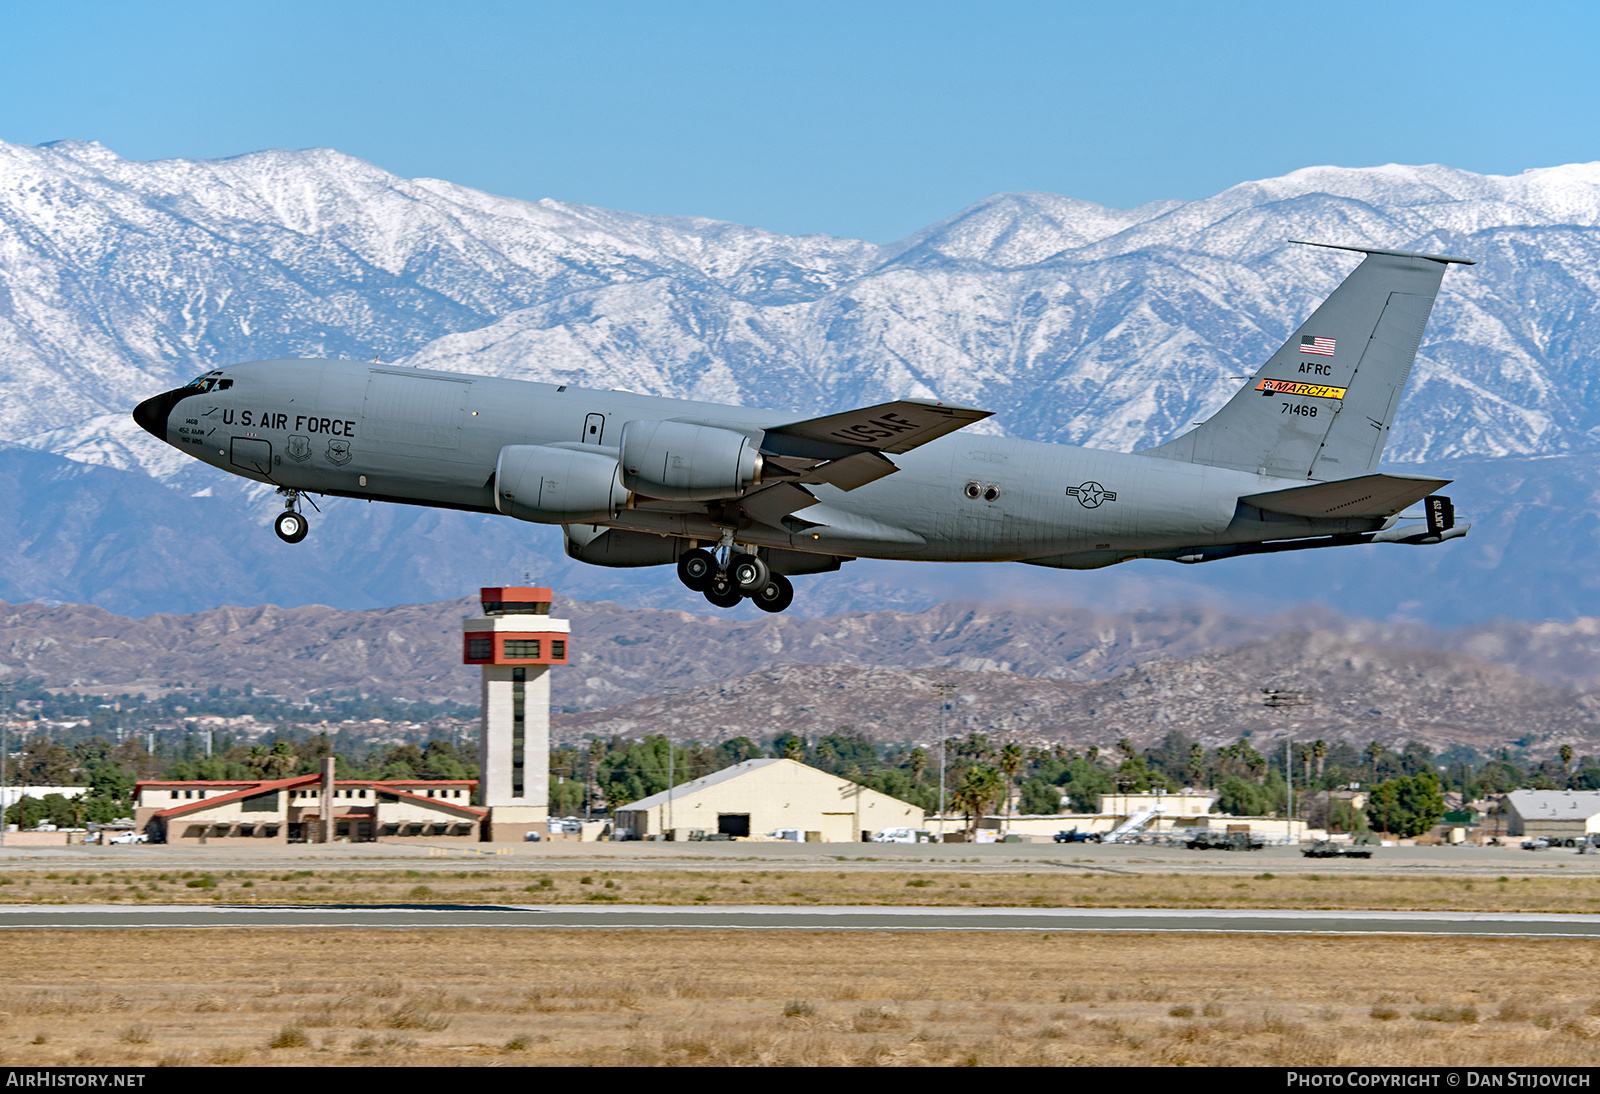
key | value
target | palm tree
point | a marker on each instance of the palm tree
(919, 764)
(1319, 749)
(977, 792)
(1010, 763)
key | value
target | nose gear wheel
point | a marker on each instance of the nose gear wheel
(291, 526)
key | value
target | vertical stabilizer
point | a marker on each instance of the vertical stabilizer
(1321, 407)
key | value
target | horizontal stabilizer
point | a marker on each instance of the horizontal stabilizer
(889, 427)
(1363, 496)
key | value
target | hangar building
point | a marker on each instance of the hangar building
(758, 797)
(1557, 814)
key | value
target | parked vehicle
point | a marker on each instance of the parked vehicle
(900, 835)
(1327, 848)
(127, 837)
(1206, 840)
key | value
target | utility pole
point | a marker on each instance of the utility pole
(672, 733)
(5, 750)
(1286, 701)
(943, 692)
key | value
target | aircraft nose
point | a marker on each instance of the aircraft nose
(152, 414)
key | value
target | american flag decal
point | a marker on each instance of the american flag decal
(1310, 343)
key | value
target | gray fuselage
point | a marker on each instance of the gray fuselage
(418, 437)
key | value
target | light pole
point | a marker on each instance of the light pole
(672, 732)
(943, 692)
(5, 749)
(1286, 701)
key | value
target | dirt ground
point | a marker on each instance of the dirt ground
(1053, 888)
(412, 998)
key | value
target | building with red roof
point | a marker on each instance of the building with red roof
(291, 810)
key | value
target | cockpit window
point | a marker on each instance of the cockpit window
(201, 384)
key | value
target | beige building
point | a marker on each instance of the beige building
(1191, 804)
(290, 810)
(1556, 814)
(760, 797)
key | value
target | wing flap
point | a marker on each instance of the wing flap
(1363, 496)
(771, 504)
(852, 471)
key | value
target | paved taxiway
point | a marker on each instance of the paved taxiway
(767, 917)
(1463, 862)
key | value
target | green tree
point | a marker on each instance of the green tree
(31, 811)
(440, 760)
(45, 763)
(1040, 798)
(566, 797)
(1086, 782)
(1240, 797)
(980, 788)
(640, 770)
(1421, 803)
(1011, 759)
(736, 751)
(918, 761)
(276, 763)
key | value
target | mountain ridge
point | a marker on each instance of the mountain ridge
(1074, 322)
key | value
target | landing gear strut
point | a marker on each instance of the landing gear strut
(291, 524)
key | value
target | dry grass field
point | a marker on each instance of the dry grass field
(1056, 888)
(412, 998)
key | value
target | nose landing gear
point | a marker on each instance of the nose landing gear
(745, 574)
(291, 524)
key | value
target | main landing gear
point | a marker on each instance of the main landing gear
(744, 574)
(291, 524)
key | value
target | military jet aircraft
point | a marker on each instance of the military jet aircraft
(742, 499)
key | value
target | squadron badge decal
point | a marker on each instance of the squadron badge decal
(338, 453)
(298, 449)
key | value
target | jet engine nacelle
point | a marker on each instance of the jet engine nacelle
(679, 461)
(557, 485)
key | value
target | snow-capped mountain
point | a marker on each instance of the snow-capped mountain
(1074, 322)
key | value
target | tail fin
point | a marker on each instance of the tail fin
(1321, 407)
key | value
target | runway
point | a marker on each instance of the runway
(778, 918)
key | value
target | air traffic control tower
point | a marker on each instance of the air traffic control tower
(516, 643)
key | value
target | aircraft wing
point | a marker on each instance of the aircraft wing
(1362, 496)
(893, 427)
(846, 450)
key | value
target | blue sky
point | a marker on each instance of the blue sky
(861, 119)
